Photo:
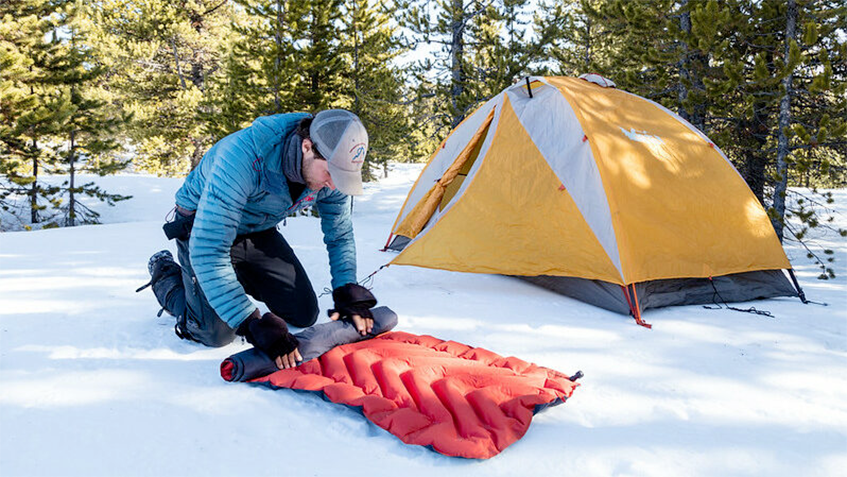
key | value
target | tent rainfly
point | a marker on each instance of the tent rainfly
(596, 193)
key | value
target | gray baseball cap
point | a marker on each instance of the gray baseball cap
(340, 137)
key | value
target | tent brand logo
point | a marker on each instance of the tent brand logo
(641, 136)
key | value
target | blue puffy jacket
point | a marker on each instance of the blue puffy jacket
(239, 188)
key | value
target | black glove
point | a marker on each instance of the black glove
(352, 299)
(269, 334)
(180, 227)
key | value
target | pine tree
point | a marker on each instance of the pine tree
(771, 88)
(318, 61)
(807, 83)
(372, 83)
(75, 72)
(641, 47)
(16, 98)
(234, 93)
(503, 50)
(263, 70)
(445, 24)
(577, 38)
(28, 113)
(308, 56)
(160, 56)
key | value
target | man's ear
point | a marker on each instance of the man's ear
(306, 145)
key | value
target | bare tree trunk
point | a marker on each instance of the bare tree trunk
(198, 152)
(587, 45)
(178, 67)
(690, 75)
(72, 199)
(280, 16)
(457, 55)
(314, 83)
(784, 122)
(698, 113)
(33, 192)
(755, 160)
(356, 104)
(684, 63)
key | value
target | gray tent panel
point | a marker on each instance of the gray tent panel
(737, 287)
(399, 243)
(595, 292)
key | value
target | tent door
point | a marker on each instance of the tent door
(445, 188)
(451, 189)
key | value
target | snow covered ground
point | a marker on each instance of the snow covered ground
(92, 383)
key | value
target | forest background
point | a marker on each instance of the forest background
(105, 86)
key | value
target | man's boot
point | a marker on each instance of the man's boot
(166, 281)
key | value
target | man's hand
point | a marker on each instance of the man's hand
(289, 360)
(363, 325)
(354, 302)
(269, 333)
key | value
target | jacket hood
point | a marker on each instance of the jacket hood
(270, 132)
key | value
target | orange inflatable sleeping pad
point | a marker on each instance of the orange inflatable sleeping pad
(457, 400)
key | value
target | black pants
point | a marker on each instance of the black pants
(266, 267)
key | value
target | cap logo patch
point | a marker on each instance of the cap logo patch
(358, 152)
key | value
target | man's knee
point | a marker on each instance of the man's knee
(309, 317)
(208, 329)
(303, 314)
(219, 336)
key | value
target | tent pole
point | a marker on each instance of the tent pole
(797, 286)
(387, 242)
(638, 310)
(633, 306)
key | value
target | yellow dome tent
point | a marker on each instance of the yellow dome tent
(593, 192)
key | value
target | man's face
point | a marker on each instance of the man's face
(315, 168)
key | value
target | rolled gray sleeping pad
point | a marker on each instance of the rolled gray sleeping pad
(314, 341)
